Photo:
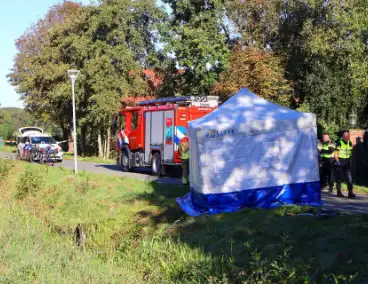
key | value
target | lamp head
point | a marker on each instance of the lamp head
(353, 118)
(73, 74)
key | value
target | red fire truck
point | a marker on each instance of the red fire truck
(149, 133)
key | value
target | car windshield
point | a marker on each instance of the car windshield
(43, 140)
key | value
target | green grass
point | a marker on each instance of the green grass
(358, 188)
(92, 159)
(137, 234)
(8, 149)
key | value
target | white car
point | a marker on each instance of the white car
(32, 139)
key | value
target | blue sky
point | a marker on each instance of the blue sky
(15, 17)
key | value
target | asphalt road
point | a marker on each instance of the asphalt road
(359, 205)
(331, 202)
(140, 174)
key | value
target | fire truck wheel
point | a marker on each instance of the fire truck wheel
(156, 164)
(124, 161)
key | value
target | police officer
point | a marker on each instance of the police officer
(184, 156)
(327, 162)
(343, 154)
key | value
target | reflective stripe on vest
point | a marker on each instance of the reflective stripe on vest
(326, 147)
(345, 150)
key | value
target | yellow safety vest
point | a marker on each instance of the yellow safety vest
(345, 149)
(184, 155)
(326, 147)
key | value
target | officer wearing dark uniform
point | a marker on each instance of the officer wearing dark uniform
(343, 154)
(327, 162)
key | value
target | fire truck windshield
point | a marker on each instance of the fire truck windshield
(122, 122)
(135, 121)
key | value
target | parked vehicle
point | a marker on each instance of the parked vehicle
(44, 154)
(26, 131)
(36, 146)
(149, 133)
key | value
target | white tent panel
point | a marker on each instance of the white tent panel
(237, 162)
(249, 143)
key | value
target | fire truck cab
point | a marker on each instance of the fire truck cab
(149, 133)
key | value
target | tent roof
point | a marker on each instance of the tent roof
(253, 114)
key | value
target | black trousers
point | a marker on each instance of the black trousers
(343, 173)
(327, 172)
(185, 168)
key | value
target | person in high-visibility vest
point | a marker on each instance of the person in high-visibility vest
(327, 160)
(184, 156)
(343, 155)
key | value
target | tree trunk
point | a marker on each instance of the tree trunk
(94, 137)
(104, 145)
(104, 148)
(100, 146)
(70, 142)
(83, 140)
(65, 146)
(108, 144)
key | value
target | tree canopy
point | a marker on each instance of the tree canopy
(258, 70)
(11, 119)
(106, 42)
(195, 35)
(310, 54)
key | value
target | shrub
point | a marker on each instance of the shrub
(329, 128)
(29, 183)
(5, 167)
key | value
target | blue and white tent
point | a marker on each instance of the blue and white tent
(251, 153)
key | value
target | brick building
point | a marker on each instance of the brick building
(356, 135)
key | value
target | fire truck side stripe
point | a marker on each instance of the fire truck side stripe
(180, 133)
(126, 140)
(122, 138)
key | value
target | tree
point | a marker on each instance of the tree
(329, 94)
(122, 37)
(106, 43)
(323, 47)
(15, 118)
(256, 21)
(1, 116)
(37, 72)
(260, 71)
(196, 38)
(338, 48)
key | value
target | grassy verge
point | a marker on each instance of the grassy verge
(8, 149)
(358, 188)
(67, 156)
(92, 159)
(137, 234)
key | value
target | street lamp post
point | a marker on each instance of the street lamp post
(73, 74)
